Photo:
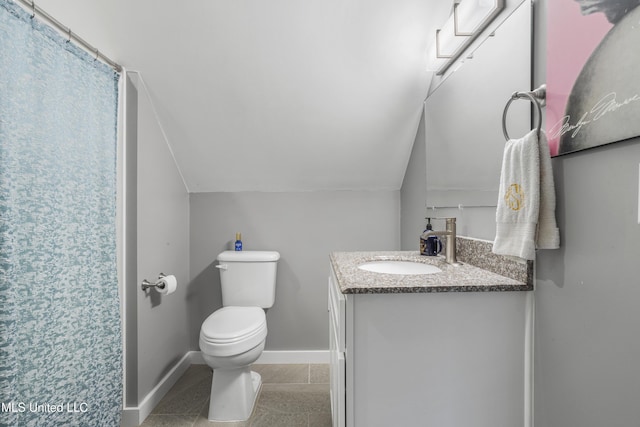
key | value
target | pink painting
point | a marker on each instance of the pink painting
(593, 82)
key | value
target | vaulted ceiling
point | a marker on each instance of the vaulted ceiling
(278, 95)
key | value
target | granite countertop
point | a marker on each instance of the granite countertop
(453, 278)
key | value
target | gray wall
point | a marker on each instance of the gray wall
(304, 227)
(130, 240)
(586, 346)
(161, 321)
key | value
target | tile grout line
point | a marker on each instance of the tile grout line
(199, 413)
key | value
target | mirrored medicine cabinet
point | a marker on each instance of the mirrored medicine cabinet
(463, 115)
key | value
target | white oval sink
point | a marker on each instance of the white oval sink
(399, 267)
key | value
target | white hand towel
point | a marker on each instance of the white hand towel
(526, 202)
(548, 235)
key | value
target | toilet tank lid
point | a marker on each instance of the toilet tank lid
(249, 256)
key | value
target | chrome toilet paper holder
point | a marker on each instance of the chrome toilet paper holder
(159, 284)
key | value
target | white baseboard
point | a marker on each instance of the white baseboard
(134, 416)
(279, 357)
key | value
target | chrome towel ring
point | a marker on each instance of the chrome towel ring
(537, 97)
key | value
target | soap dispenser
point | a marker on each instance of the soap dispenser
(432, 245)
(423, 242)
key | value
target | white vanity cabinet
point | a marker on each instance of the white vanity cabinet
(441, 359)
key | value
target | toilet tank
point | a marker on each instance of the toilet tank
(248, 278)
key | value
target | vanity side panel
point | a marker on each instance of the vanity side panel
(350, 387)
(337, 323)
(449, 359)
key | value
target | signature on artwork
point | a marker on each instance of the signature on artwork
(608, 104)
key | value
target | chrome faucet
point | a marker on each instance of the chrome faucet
(450, 243)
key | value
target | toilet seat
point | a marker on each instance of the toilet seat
(233, 330)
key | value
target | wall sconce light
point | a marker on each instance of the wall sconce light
(469, 19)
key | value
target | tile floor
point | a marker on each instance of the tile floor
(291, 395)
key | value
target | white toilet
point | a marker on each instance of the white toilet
(232, 338)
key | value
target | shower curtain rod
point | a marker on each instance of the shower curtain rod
(37, 11)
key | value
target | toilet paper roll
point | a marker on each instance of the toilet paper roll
(170, 284)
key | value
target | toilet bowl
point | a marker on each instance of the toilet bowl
(231, 339)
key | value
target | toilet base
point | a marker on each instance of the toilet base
(234, 393)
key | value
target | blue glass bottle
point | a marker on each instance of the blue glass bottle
(238, 241)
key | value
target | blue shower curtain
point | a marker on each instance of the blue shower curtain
(60, 342)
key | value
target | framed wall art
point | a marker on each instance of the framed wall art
(593, 73)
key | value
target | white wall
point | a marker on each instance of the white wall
(304, 228)
(260, 83)
(478, 222)
(414, 188)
